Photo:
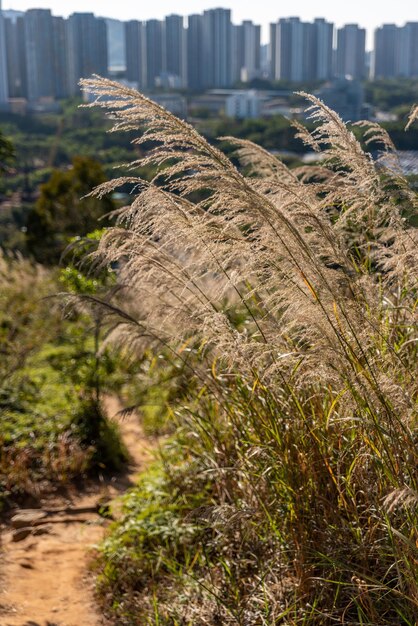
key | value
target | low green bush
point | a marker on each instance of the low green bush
(53, 428)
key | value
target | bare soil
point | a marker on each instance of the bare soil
(45, 577)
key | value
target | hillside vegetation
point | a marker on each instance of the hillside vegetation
(51, 384)
(282, 304)
(263, 322)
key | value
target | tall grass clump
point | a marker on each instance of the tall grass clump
(290, 297)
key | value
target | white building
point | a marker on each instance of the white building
(243, 105)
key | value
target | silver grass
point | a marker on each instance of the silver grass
(413, 116)
(406, 498)
(306, 256)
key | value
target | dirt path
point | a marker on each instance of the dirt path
(45, 577)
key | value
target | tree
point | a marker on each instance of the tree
(62, 211)
(7, 152)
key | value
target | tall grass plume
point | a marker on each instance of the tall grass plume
(290, 295)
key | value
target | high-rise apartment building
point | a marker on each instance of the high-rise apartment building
(176, 50)
(116, 45)
(136, 61)
(289, 50)
(217, 48)
(237, 52)
(42, 56)
(195, 59)
(36, 65)
(155, 52)
(322, 40)
(246, 51)
(386, 52)
(16, 58)
(4, 86)
(351, 52)
(407, 56)
(395, 51)
(301, 51)
(87, 48)
(39, 54)
(60, 58)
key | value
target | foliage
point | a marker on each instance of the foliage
(45, 142)
(22, 313)
(389, 93)
(6, 152)
(271, 526)
(52, 427)
(62, 211)
(156, 383)
(275, 133)
(52, 140)
(290, 298)
(153, 536)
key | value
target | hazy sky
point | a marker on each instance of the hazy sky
(368, 13)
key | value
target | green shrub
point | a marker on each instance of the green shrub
(52, 426)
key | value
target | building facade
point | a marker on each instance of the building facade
(351, 52)
(217, 48)
(155, 52)
(60, 58)
(247, 51)
(301, 51)
(116, 45)
(135, 53)
(16, 58)
(176, 50)
(243, 105)
(322, 47)
(195, 63)
(407, 55)
(39, 54)
(4, 83)
(87, 48)
(386, 47)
